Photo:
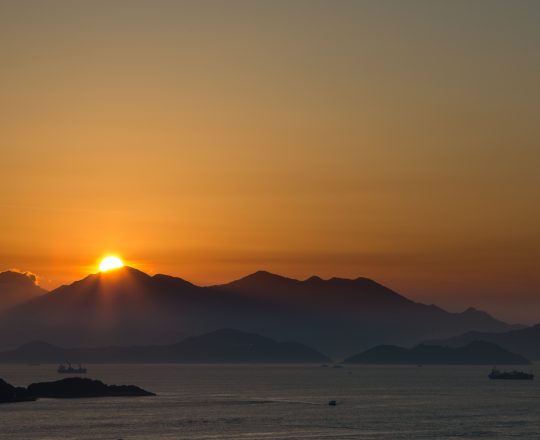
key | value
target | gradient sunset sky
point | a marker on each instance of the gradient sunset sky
(398, 140)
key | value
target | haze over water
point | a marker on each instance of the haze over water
(254, 402)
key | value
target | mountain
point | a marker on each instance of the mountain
(127, 307)
(359, 310)
(231, 345)
(223, 346)
(17, 287)
(523, 341)
(474, 353)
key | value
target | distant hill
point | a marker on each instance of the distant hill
(474, 353)
(231, 345)
(129, 307)
(523, 341)
(17, 288)
(221, 346)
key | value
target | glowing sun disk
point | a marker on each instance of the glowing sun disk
(109, 263)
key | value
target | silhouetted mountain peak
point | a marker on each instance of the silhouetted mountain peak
(116, 277)
(123, 272)
(265, 278)
(368, 282)
(473, 313)
(339, 280)
(261, 278)
(263, 275)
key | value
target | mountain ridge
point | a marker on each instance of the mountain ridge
(473, 353)
(525, 341)
(127, 306)
(223, 345)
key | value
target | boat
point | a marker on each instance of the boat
(67, 368)
(512, 375)
(332, 403)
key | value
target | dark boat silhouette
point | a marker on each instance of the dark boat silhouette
(66, 368)
(510, 375)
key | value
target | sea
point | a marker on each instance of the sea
(270, 402)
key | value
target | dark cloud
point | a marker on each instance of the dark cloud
(31, 276)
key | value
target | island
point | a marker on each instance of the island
(69, 388)
(9, 393)
(474, 353)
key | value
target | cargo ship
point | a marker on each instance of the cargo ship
(511, 375)
(67, 368)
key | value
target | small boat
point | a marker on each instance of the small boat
(66, 368)
(332, 403)
(510, 375)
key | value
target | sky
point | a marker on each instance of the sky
(208, 139)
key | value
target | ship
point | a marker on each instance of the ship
(66, 368)
(512, 375)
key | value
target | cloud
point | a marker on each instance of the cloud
(32, 276)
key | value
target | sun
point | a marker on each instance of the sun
(109, 263)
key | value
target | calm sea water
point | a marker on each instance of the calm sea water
(281, 402)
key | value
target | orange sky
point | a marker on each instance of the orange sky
(394, 140)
